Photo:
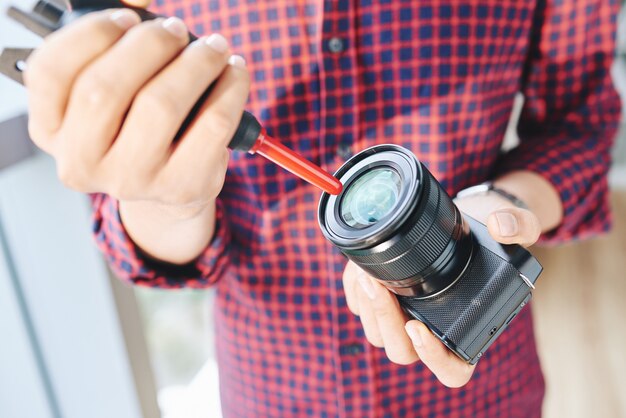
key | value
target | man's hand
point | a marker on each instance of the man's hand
(384, 322)
(107, 95)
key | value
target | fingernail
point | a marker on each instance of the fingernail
(414, 335)
(237, 61)
(507, 223)
(217, 42)
(175, 26)
(125, 18)
(366, 284)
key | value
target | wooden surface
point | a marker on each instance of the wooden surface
(580, 318)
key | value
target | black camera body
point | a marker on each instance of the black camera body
(470, 315)
(396, 222)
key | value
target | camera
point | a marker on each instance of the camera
(395, 221)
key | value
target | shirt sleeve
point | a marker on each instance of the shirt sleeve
(571, 111)
(129, 263)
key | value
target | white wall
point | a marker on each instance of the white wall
(62, 349)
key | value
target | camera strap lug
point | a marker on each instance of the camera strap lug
(527, 281)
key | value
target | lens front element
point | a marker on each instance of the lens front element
(371, 197)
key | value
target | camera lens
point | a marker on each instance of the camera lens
(370, 198)
(397, 223)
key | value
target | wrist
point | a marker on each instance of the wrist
(164, 212)
(173, 234)
(489, 189)
(537, 193)
(518, 189)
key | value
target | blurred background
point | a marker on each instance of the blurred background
(74, 342)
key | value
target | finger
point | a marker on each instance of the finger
(350, 286)
(104, 91)
(449, 369)
(368, 319)
(162, 105)
(391, 320)
(52, 68)
(205, 142)
(137, 3)
(514, 226)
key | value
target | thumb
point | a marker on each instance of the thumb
(514, 226)
(142, 4)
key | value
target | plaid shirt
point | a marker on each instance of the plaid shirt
(330, 78)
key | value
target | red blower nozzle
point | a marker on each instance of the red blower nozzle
(251, 137)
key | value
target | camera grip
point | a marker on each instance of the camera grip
(469, 315)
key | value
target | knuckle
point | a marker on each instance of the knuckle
(37, 133)
(119, 192)
(70, 176)
(97, 26)
(40, 69)
(172, 192)
(97, 89)
(121, 189)
(160, 103)
(128, 181)
(219, 124)
(33, 68)
(382, 309)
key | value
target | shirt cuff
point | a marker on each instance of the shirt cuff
(578, 175)
(130, 264)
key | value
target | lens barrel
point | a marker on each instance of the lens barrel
(421, 246)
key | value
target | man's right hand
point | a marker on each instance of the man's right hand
(107, 95)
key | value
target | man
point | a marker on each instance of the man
(107, 95)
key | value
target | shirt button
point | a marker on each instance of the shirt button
(352, 349)
(344, 150)
(335, 45)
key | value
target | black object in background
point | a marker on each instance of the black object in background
(396, 222)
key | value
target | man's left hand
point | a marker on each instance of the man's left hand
(385, 323)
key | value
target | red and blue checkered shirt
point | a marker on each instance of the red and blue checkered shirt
(332, 77)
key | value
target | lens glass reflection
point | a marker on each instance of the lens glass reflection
(370, 198)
